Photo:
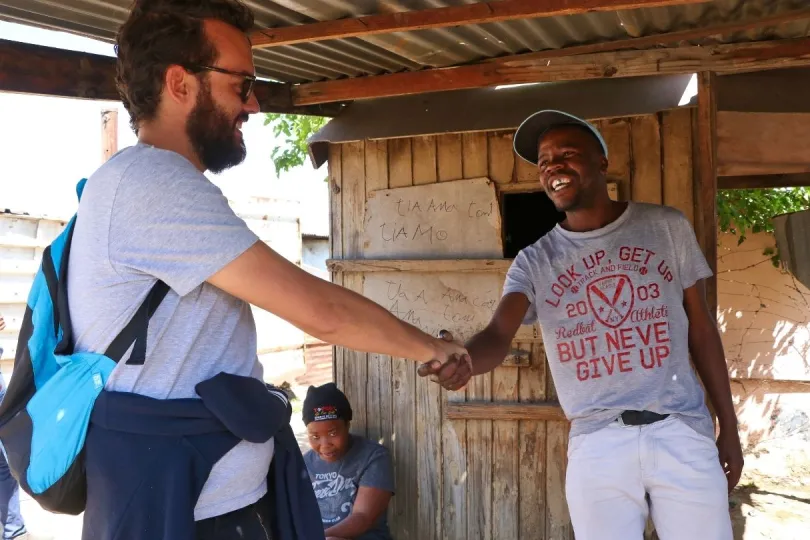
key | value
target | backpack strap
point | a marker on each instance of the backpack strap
(135, 331)
(59, 296)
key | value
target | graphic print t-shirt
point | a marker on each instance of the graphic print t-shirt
(335, 484)
(610, 307)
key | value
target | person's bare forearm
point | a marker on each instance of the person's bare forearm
(353, 321)
(322, 309)
(487, 350)
(351, 527)
(709, 358)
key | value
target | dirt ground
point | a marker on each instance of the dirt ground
(772, 500)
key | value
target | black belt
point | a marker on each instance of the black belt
(640, 418)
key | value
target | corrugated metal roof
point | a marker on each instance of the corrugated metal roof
(407, 51)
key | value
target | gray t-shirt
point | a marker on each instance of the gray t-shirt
(610, 307)
(146, 214)
(365, 464)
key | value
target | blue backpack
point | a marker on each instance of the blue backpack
(45, 414)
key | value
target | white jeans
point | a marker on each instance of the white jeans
(611, 471)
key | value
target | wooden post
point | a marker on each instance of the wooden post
(109, 133)
(706, 186)
(707, 177)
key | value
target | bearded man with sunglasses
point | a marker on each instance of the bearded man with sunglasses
(182, 444)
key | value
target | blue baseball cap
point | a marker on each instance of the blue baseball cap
(527, 136)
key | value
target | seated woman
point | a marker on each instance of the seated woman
(352, 476)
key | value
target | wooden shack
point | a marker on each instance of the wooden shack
(429, 204)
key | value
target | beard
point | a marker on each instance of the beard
(213, 135)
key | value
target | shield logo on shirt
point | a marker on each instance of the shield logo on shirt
(611, 299)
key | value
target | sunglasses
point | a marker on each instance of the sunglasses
(247, 80)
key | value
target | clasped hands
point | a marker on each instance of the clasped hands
(451, 369)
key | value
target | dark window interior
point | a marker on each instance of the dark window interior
(526, 218)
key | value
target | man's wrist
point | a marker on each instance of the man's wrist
(727, 421)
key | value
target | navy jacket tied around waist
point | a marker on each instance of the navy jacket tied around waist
(148, 459)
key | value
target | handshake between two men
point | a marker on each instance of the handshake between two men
(453, 373)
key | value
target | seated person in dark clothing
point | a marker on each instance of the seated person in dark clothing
(352, 476)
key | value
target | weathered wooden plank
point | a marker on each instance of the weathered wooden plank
(429, 458)
(442, 17)
(764, 181)
(403, 376)
(617, 136)
(474, 155)
(404, 506)
(479, 459)
(400, 163)
(568, 64)
(677, 178)
(646, 167)
(354, 195)
(109, 133)
(706, 180)
(335, 201)
(336, 239)
(474, 409)
(761, 143)
(558, 520)
(455, 481)
(460, 303)
(505, 455)
(425, 168)
(532, 445)
(420, 265)
(353, 189)
(445, 220)
(378, 390)
(526, 172)
(449, 156)
(376, 154)
(355, 367)
(428, 394)
(501, 157)
(479, 432)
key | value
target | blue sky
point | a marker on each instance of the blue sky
(47, 144)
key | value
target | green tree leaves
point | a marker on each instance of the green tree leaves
(295, 129)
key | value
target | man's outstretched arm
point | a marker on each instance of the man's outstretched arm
(262, 277)
(709, 357)
(487, 348)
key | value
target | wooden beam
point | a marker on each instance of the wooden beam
(613, 59)
(48, 71)
(478, 13)
(33, 69)
(706, 165)
(109, 133)
(764, 181)
(422, 265)
(753, 143)
(471, 410)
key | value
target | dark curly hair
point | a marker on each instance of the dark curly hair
(160, 33)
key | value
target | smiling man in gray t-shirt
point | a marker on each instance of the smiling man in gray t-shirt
(148, 215)
(617, 290)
